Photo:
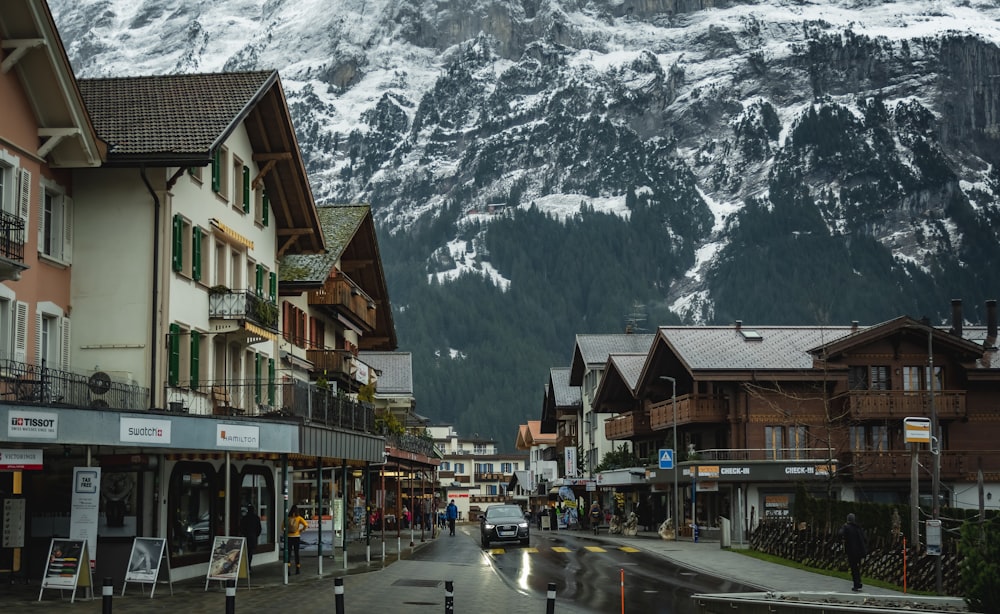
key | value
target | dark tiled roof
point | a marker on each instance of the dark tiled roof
(564, 394)
(170, 114)
(339, 224)
(630, 367)
(595, 349)
(726, 348)
(396, 371)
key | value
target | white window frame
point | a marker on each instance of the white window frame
(55, 209)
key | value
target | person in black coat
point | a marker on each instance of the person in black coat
(251, 529)
(854, 545)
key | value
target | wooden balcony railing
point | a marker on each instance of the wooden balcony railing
(896, 464)
(690, 409)
(492, 477)
(342, 296)
(331, 362)
(627, 426)
(882, 404)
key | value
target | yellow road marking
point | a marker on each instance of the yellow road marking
(595, 549)
(628, 549)
(560, 549)
(497, 551)
(529, 549)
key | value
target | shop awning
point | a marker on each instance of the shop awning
(232, 234)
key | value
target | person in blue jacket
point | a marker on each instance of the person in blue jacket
(451, 513)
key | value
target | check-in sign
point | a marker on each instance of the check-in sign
(917, 430)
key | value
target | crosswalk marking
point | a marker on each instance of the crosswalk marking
(531, 550)
(560, 549)
(535, 550)
(595, 549)
(628, 549)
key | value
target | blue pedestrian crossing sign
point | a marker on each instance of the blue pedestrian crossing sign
(666, 459)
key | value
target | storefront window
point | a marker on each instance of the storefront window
(257, 489)
(190, 516)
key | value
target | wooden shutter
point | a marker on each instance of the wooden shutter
(174, 359)
(273, 286)
(24, 200)
(246, 189)
(38, 337)
(270, 381)
(20, 331)
(64, 348)
(286, 321)
(196, 253)
(67, 238)
(216, 171)
(256, 378)
(259, 281)
(41, 222)
(178, 243)
(266, 212)
(195, 355)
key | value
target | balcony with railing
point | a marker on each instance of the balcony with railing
(886, 404)
(11, 246)
(897, 464)
(762, 454)
(336, 364)
(342, 296)
(244, 306)
(412, 443)
(627, 426)
(292, 399)
(492, 476)
(691, 409)
(27, 384)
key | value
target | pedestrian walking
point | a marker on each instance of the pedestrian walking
(595, 516)
(854, 544)
(293, 533)
(451, 513)
(250, 528)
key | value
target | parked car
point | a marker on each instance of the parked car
(503, 523)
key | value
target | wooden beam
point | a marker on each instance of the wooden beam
(54, 136)
(20, 46)
(264, 170)
(278, 155)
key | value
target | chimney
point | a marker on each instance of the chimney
(991, 324)
(854, 326)
(956, 317)
(739, 325)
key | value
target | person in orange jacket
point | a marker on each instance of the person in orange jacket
(293, 532)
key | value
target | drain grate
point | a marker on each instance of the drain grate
(418, 583)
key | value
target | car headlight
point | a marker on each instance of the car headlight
(190, 529)
(523, 525)
(490, 526)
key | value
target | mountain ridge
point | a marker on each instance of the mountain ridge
(783, 162)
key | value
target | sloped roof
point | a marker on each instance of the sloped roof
(530, 434)
(629, 366)
(592, 351)
(726, 348)
(340, 224)
(66, 135)
(396, 370)
(563, 394)
(182, 120)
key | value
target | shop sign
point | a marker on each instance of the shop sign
(34, 424)
(237, 436)
(15, 460)
(142, 430)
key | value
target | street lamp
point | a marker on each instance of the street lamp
(673, 403)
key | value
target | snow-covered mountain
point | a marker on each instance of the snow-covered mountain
(838, 155)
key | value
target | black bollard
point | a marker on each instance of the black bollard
(550, 604)
(107, 592)
(449, 597)
(338, 591)
(230, 596)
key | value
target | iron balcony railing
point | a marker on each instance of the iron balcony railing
(11, 236)
(243, 305)
(412, 443)
(279, 399)
(28, 384)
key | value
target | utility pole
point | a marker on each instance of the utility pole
(935, 452)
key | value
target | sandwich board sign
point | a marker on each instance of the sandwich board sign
(148, 555)
(67, 567)
(228, 561)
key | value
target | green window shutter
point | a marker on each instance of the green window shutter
(270, 381)
(178, 243)
(174, 364)
(256, 378)
(196, 254)
(266, 213)
(273, 281)
(246, 189)
(260, 280)
(217, 171)
(195, 352)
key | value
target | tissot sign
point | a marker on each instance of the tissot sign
(34, 424)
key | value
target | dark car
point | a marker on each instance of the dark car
(503, 523)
